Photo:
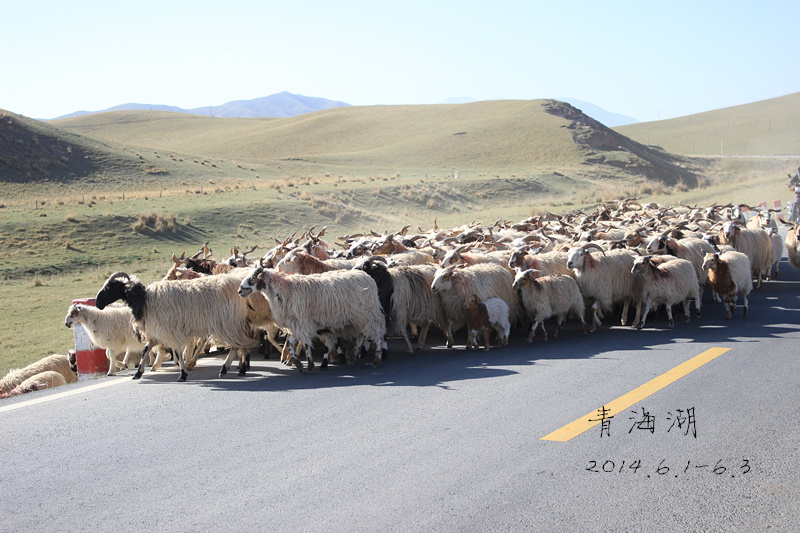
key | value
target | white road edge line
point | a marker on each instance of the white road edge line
(51, 397)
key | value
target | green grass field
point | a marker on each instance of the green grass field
(242, 181)
(765, 128)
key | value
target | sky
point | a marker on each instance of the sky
(646, 59)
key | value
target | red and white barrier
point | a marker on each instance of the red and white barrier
(91, 360)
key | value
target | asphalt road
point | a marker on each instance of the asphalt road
(436, 441)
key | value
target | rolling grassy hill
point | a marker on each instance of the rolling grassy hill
(489, 136)
(767, 128)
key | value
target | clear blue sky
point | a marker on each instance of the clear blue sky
(646, 59)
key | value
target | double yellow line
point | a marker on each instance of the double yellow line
(573, 429)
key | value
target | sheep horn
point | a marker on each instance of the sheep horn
(119, 275)
(593, 245)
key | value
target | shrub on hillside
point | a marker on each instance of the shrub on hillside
(157, 223)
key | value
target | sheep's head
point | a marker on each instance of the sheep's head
(729, 230)
(291, 262)
(710, 261)
(372, 264)
(256, 281)
(524, 277)
(517, 257)
(640, 264)
(656, 244)
(454, 257)
(358, 249)
(115, 288)
(472, 302)
(72, 315)
(385, 245)
(239, 259)
(577, 256)
(443, 280)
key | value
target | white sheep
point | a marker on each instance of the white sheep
(668, 283)
(549, 296)
(754, 243)
(43, 380)
(604, 279)
(454, 283)
(110, 329)
(730, 274)
(459, 256)
(689, 248)
(389, 246)
(793, 246)
(56, 362)
(483, 317)
(547, 263)
(331, 305)
(406, 297)
(777, 252)
(175, 314)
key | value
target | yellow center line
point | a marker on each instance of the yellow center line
(50, 397)
(587, 422)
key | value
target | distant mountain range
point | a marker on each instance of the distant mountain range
(284, 104)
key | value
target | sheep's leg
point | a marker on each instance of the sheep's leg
(112, 362)
(486, 333)
(244, 364)
(227, 363)
(640, 325)
(625, 307)
(127, 360)
(532, 334)
(156, 364)
(746, 307)
(559, 322)
(669, 315)
(638, 313)
(449, 334)
(331, 343)
(140, 370)
(686, 310)
(470, 335)
(698, 303)
(404, 332)
(184, 369)
(310, 358)
(271, 334)
(423, 336)
(595, 319)
(375, 345)
(293, 355)
(502, 333)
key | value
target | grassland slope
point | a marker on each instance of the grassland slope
(506, 134)
(765, 128)
(31, 150)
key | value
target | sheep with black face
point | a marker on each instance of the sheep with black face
(175, 314)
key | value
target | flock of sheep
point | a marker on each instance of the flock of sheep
(352, 296)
